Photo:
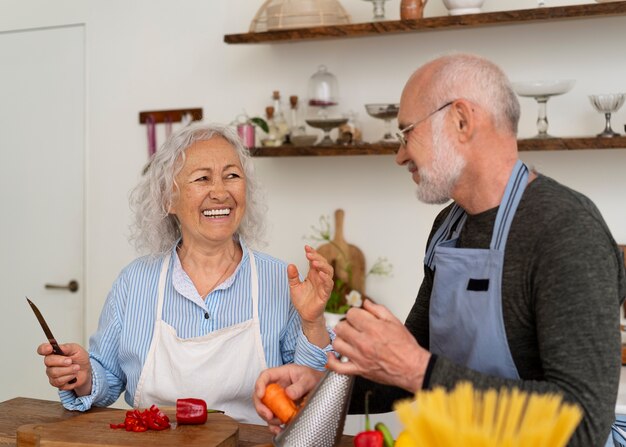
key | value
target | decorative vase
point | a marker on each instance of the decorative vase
(332, 319)
(458, 7)
(412, 9)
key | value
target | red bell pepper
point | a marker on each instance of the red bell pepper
(368, 438)
(191, 411)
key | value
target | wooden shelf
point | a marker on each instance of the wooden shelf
(530, 144)
(547, 14)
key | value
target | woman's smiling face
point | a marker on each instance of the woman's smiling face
(210, 195)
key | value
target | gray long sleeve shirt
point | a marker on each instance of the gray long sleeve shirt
(563, 282)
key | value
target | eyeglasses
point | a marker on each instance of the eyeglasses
(402, 134)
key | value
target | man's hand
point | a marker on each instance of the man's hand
(297, 380)
(379, 347)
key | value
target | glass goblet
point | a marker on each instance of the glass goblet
(379, 9)
(607, 104)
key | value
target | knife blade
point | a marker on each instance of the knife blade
(55, 346)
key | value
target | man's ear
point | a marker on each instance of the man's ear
(463, 113)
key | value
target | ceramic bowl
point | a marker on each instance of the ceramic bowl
(303, 140)
(458, 7)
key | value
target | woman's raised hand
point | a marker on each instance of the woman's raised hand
(309, 296)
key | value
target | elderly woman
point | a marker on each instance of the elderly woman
(203, 314)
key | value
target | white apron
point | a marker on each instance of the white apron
(220, 367)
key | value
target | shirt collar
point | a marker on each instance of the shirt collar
(183, 284)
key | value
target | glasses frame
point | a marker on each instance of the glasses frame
(401, 135)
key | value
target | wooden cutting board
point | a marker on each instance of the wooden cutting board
(340, 254)
(92, 429)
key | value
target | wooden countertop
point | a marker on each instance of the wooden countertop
(22, 410)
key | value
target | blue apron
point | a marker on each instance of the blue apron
(466, 324)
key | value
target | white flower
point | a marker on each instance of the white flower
(354, 298)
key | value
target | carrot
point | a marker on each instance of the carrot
(277, 400)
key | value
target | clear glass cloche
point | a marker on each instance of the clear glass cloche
(323, 97)
(323, 88)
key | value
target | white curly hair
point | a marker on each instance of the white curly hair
(155, 231)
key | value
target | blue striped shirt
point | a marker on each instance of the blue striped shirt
(119, 347)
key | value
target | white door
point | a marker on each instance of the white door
(42, 157)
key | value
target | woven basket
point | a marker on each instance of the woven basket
(285, 14)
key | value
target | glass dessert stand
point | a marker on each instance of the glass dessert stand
(326, 124)
(541, 91)
(386, 112)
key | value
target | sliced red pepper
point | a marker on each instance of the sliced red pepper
(140, 421)
(191, 411)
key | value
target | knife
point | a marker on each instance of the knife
(55, 346)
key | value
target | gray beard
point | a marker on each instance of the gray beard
(437, 181)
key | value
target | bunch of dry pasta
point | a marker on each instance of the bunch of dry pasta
(465, 417)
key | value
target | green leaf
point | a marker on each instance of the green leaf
(261, 123)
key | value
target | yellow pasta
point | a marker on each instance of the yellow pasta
(509, 418)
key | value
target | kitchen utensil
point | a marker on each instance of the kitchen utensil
(92, 429)
(55, 346)
(542, 91)
(386, 112)
(345, 257)
(607, 104)
(320, 422)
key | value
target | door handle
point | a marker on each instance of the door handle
(72, 286)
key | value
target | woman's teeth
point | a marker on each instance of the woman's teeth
(216, 213)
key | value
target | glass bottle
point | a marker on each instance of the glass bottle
(282, 128)
(296, 126)
(272, 134)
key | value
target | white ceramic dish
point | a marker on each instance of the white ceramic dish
(304, 140)
(535, 89)
(458, 7)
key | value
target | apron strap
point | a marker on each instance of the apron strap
(455, 219)
(254, 284)
(457, 216)
(512, 196)
(161, 288)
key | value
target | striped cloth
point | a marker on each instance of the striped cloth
(119, 347)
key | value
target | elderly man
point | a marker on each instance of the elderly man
(522, 278)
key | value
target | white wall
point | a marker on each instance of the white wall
(157, 54)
